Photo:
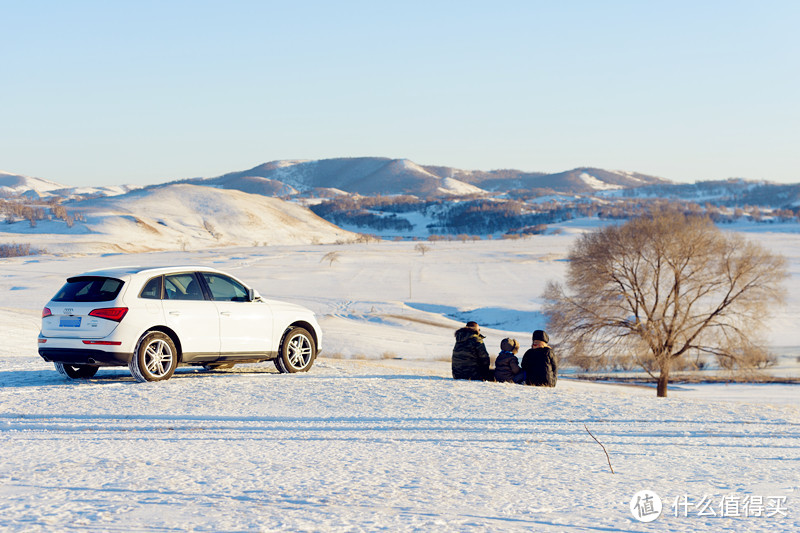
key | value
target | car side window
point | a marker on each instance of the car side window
(225, 289)
(182, 287)
(152, 289)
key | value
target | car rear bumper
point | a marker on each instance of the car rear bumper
(92, 357)
(112, 350)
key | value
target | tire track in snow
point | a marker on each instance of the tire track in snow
(619, 433)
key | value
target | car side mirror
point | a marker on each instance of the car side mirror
(251, 295)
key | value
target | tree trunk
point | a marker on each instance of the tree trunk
(663, 379)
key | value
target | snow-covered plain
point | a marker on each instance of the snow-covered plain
(377, 436)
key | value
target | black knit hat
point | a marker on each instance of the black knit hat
(541, 335)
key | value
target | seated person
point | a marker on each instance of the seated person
(470, 358)
(506, 366)
(539, 363)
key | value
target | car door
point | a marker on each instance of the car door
(245, 326)
(192, 316)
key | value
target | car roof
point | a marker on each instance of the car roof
(124, 271)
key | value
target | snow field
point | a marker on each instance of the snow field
(387, 443)
(360, 445)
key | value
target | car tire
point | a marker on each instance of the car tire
(76, 371)
(155, 357)
(297, 352)
(279, 365)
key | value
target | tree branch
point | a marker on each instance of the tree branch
(601, 445)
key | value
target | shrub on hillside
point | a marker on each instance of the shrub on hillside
(18, 250)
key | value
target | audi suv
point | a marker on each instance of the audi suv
(153, 320)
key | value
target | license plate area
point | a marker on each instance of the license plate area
(70, 322)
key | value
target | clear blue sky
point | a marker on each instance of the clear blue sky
(110, 92)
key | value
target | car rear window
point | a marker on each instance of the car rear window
(89, 289)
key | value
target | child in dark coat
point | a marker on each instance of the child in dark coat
(540, 363)
(506, 366)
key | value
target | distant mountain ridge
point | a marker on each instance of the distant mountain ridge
(363, 175)
(339, 200)
(14, 184)
(370, 176)
(19, 185)
(731, 193)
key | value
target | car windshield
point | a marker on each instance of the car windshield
(89, 289)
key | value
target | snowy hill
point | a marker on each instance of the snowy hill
(255, 185)
(18, 185)
(14, 184)
(364, 175)
(581, 180)
(78, 193)
(375, 175)
(732, 192)
(176, 217)
(576, 181)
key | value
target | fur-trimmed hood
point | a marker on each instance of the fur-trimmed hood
(465, 333)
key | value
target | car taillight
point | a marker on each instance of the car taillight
(46, 312)
(111, 313)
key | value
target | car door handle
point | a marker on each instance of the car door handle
(225, 313)
(174, 313)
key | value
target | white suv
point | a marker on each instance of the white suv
(154, 319)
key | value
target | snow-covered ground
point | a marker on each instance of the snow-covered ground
(377, 436)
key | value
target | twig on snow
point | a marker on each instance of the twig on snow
(601, 445)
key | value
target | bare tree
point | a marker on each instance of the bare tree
(422, 248)
(661, 287)
(330, 257)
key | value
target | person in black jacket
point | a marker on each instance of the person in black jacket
(506, 366)
(540, 363)
(470, 358)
